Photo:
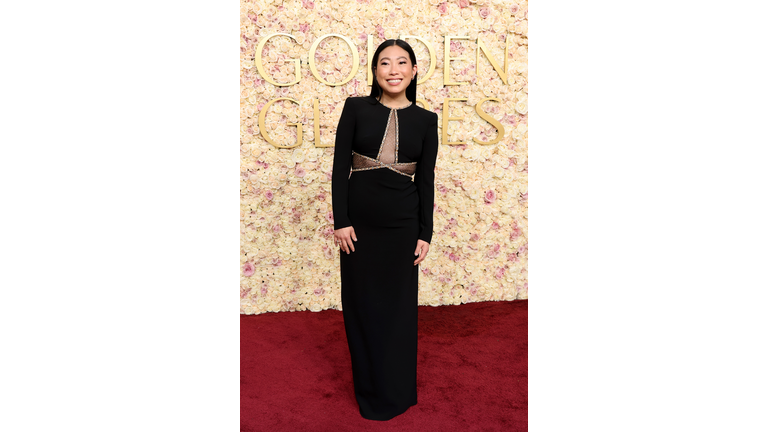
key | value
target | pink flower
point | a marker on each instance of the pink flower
(321, 196)
(319, 291)
(269, 195)
(515, 7)
(490, 196)
(484, 12)
(512, 257)
(304, 27)
(453, 257)
(463, 3)
(277, 228)
(474, 237)
(248, 269)
(442, 8)
(308, 4)
(515, 233)
(263, 289)
(495, 225)
(329, 216)
(500, 272)
(244, 292)
(277, 261)
(522, 249)
(300, 172)
(524, 197)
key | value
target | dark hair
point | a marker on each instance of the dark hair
(410, 91)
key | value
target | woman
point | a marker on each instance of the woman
(383, 193)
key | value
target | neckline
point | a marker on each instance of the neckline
(389, 107)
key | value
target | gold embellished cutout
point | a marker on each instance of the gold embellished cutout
(388, 151)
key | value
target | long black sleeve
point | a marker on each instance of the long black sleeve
(425, 181)
(342, 163)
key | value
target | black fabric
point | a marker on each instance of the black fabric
(361, 129)
(379, 283)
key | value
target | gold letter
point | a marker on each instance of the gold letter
(424, 104)
(447, 61)
(485, 116)
(260, 65)
(432, 58)
(355, 59)
(370, 59)
(502, 73)
(316, 105)
(263, 128)
(447, 118)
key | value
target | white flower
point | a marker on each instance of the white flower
(522, 106)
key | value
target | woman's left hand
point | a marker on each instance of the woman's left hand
(422, 248)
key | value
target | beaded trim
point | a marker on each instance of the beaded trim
(409, 104)
(405, 168)
(386, 130)
(364, 163)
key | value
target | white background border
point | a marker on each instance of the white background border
(120, 227)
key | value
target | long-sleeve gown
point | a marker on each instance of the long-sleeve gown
(388, 199)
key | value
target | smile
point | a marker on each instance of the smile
(394, 81)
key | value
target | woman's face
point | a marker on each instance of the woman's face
(394, 70)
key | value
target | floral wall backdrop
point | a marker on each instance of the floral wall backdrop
(479, 248)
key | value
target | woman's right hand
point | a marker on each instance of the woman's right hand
(343, 237)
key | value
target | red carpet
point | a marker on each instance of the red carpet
(295, 372)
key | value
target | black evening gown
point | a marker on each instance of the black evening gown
(383, 186)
